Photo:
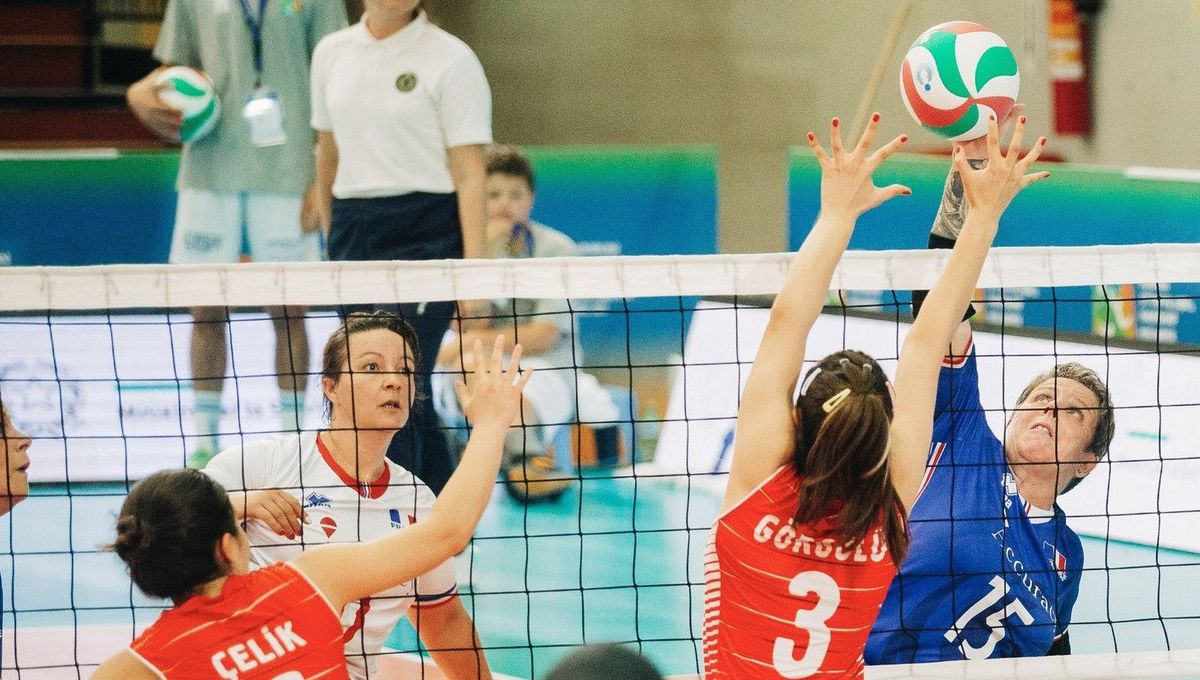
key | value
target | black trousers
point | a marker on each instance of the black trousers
(417, 226)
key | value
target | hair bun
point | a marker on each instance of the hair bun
(130, 536)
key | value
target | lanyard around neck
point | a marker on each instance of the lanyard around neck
(520, 241)
(255, 24)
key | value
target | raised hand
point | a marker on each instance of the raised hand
(846, 183)
(992, 187)
(977, 148)
(494, 394)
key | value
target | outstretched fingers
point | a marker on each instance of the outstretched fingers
(1032, 177)
(497, 363)
(958, 160)
(835, 137)
(884, 194)
(818, 150)
(1018, 136)
(993, 140)
(881, 154)
(1027, 177)
(1033, 155)
(514, 363)
(868, 135)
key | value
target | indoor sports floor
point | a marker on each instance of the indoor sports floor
(539, 579)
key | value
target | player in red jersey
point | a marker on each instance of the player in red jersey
(814, 518)
(177, 533)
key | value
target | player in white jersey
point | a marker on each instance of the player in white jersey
(342, 485)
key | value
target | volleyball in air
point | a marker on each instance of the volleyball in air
(957, 74)
(190, 91)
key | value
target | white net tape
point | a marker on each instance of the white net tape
(141, 286)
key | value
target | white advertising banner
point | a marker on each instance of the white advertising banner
(1144, 492)
(111, 398)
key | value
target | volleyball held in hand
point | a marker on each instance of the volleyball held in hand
(190, 91)
(957, 74)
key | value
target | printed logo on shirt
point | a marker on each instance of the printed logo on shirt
(398, 521)
(1010, 484)
(328, 525)
(317, 500)
(406, 82)
(200, 243)
(1060, 560)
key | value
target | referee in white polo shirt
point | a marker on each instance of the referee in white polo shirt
(402, 111)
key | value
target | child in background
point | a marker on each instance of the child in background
(546, 328)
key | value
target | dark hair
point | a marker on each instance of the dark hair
(338, 344)
(1106, 424)
(168, 529)
(602, 662)
(841, 451)
(507, 159)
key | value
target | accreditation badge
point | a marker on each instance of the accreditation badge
(263, 112)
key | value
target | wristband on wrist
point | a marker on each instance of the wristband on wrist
(918, 296)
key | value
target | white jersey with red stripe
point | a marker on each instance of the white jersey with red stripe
(340, 510)
(270, 623)
(785, 601)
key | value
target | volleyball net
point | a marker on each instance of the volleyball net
(95, 366)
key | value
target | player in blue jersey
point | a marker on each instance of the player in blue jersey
(993, 569)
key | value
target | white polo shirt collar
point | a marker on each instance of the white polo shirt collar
(398, 40)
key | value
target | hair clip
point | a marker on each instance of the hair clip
(808, 381)
(835, 401)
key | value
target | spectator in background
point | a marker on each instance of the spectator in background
(402, 111)
(603, 662)
(232, 183)
(547, 331)
(14, 488)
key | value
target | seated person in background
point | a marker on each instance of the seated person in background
(178, 534)
(341, 482)
(545, 328)
(603, 662)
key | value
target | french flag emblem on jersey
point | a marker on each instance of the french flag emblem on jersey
(397, 521)
(1060, 561)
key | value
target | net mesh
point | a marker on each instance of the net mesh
(95, 366)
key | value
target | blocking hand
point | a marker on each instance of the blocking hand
(977, 148)
(992, 188)
(494, 394)
(846, 183)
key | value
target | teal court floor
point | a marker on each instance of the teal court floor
(616, 559)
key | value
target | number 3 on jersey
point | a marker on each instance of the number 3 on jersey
(813, 621)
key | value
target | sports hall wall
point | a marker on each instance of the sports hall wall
(753, 76)
(644, 201)
(108, 207)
